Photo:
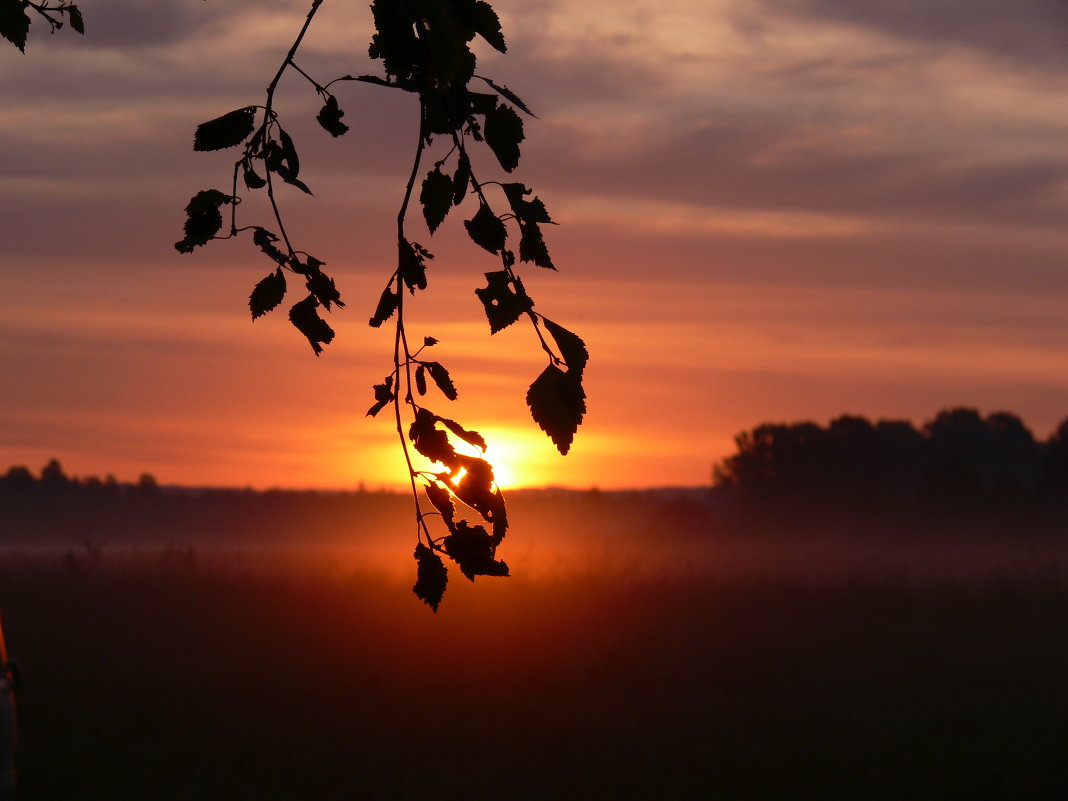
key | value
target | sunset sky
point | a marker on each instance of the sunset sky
(770, 210)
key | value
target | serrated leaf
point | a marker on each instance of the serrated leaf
(504, 132)
(431, 577)
(14, 23)
(442, 379)
(410, 265)
(470, 437)
(264, 240)
(486, 229)
(529, 211)
(436, 198)
(572, 348)
(557, 404)
(461, 180)
(473, 549)
(203, 219)
(532, 247)
(476, 488)
(306, 319)
(329, 117)
(267, 294)
(322, 286)
(503, 305)
(442, 500)
(488, 25)
(430, 441)
(510, 96)
(229, 130)
(387, 304)
(420, 379)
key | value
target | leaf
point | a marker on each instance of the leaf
(429, 440)
(572, 348)
(557, 404)
(267, 294)
(503, 306)
(532, 246)
(203, 219)
(509, 95)
(442, 379)
(430, 578)
(470, 437)
(436, 197)
(329, 117)
(14, 23)
(264, 240)
(253, 180)
(283, 172)
(488, 25)
(529, 211)
(387, 304)
(383, 395)
(322, 286)
(461, 180)
(229, 130)
(304, 316)
(76, 20)
(429, 342)
(442, 500)
(473, 549)
(476, 489)
(410, 266)
(289, 157)
(420, 379)
(504, 132)
(487, 229)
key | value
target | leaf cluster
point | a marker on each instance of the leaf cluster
(15, 19)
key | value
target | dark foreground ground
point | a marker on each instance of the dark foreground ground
(156, 679)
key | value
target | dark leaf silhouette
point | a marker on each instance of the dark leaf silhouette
(429, 342)
(470, 437)
(288, 156)
(387, 304)
(329, 117)
(473, 549)
(383, 395)
(488, 25)
(504, 132)
(267, 294)
(442, 379)
(76, 20)
(532, 246)
(368, 79)
(503, 305)
(509, 95)
(304, 316)
(530, 211)
(461, 180)
(487, 229)
(557, 404)
(572, 348)
(430, 441)
(264, 240)
(203, 219)
(411, 265)
(322, 286)
(442, 500)
(431, 577)
(253, 180)
(229, 130)
(14, 23)
(420, 379)
(436, 198)
(476, 489)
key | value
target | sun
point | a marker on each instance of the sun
(514, 455)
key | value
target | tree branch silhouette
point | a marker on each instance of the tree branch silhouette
(425, 49)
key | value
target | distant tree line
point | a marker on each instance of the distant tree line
(960, 463)
(20, 480)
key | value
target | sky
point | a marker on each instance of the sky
(769, 210)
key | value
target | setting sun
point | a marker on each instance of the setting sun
(518, 457)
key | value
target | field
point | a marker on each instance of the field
(171, 675)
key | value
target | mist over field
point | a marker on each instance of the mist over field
(182, 644)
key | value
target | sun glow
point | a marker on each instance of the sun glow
(517, 457)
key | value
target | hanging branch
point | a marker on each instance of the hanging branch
(425, 49)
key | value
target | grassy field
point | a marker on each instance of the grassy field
(152, 678)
